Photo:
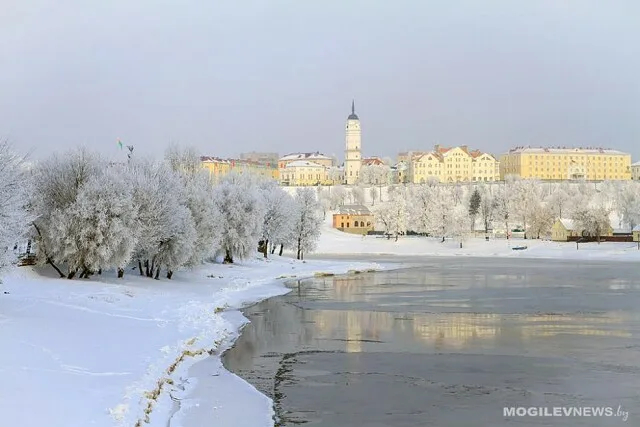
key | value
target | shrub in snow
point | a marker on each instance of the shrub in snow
(240, 204)
(306, 222)
(166, 230)
(56, 184)
(95, 232)
(393, 215)
(279, 210)
(14, 218)
(206, 217)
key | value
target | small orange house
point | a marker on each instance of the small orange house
(355, 219)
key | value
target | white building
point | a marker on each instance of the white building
(353, 148)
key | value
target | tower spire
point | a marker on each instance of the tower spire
(353, 106)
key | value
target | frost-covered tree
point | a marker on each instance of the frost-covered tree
(166, 229)
(96, 232)
(541, 221)
(14, 217)
(375, 174)
(338, 196)
(474, 207)
(627, 203)
(593, 220)
(176, 249)
(504, 198)
(393, 215)
(488, 205)
(420, 208)
(324, 198)
(373, 194)
(357, 195)
(57, 182)
(279, 211)
(445, 218)
(240, 203)
(526, 200)
(206, 218)
(306, 222)
(558, 201)
(184, 160)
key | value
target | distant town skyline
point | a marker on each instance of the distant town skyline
(280, 76)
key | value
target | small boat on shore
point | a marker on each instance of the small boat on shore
(519, 248)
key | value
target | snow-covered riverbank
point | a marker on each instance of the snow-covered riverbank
(105, 352)
(334, 242)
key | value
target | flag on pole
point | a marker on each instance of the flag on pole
(120, 143)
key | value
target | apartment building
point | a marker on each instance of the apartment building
(561, 163)
(455, 164)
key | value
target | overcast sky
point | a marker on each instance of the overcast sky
(233, 76)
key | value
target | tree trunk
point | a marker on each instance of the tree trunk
(299, 250)
(71, 274)
(273, 248)
(140, 267)
(120, 273)
(266, 248)
(228, 259)
(146, 268)
(152, 266)
(169, 274)
(281, 249)
(47, 257)
(157, 277)
(100, 271)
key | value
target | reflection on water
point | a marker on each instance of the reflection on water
(576, 314)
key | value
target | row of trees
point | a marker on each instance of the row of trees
(452, 211)
(88, 217)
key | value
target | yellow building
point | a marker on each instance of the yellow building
(456, 164)
(564, 230)
(218, 167)
(356, 219)
(636, 233)
(635, 171)
(303, 173)
(591, 164)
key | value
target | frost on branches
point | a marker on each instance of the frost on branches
(94, 232)
(278, 217)
(56, 185)
(306, 222)
(239, 202)
(14, 221)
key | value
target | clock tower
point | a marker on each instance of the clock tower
(352, 152)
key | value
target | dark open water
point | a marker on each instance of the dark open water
(449, 343)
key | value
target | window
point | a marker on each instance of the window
(342, 225)
(347, 224)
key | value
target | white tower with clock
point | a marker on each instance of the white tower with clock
(352, 152)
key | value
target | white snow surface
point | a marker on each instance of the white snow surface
(334, 242)
(91, 352)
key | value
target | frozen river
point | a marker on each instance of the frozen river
(451, 342)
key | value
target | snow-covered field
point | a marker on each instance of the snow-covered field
(334, 242)
(105, 352)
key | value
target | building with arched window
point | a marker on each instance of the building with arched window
(356, 219)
